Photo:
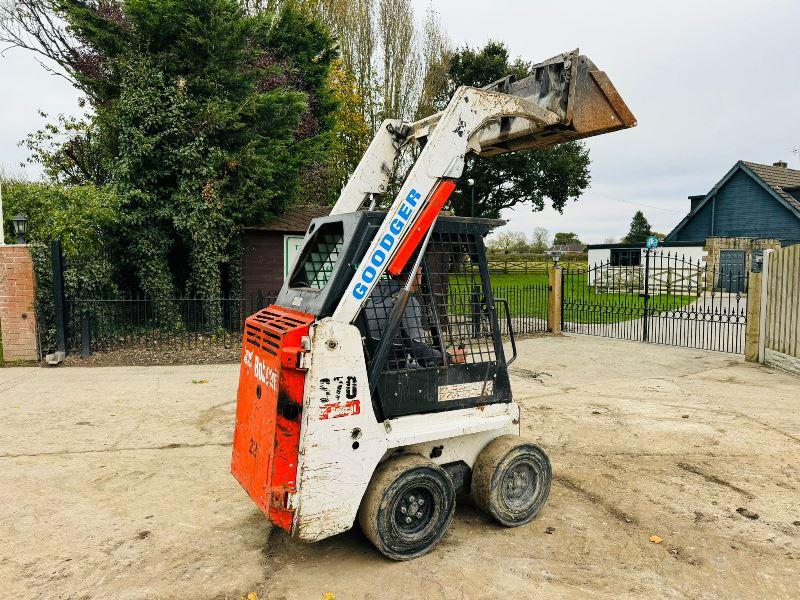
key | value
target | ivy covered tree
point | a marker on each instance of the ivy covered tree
(640, 229)
(210, 117)
(531, 177)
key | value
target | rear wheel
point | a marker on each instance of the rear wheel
(407, 507)
(511, 480)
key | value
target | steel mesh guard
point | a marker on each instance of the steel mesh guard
(446, 320)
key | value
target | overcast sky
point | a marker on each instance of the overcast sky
(710, 82)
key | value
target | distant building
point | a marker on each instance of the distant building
(752, 208)
(567, 248)
(269, 250)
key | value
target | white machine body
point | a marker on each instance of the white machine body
(385, 338)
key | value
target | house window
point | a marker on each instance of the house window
(626, 257)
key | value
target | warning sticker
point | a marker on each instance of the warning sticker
(460, 391)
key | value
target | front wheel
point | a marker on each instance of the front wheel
(408, 506)
(511, 480)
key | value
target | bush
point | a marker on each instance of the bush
(85, 219)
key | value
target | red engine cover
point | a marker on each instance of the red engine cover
(269, 403)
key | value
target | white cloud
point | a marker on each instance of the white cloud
(710, 82)
(27, 87)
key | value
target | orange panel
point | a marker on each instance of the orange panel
(266, 438)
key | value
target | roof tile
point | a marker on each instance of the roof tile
(779, 179)
(296, 219)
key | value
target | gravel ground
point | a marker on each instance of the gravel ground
(159, 355)
(115, 485)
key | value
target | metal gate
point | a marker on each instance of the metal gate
(658, 297)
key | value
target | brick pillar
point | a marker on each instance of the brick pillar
(17, 319)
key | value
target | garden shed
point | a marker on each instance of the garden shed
(270, 249)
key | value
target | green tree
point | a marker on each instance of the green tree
(71, 150)
(398, 67)
(529, 177)
(566, 238)
(639, 231)
(507, 242)
(540, 240)
(84, 218)
(211, 117)
(351, 131)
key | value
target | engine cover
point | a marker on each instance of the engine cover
(268, 410)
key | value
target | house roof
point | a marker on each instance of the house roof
(296, 219)
(630, 246)
(779, 179)
(776, 179)
(576, 248)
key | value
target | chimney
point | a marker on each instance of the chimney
(780, 163)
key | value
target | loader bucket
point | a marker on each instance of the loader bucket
(569, 86)
(568, 97)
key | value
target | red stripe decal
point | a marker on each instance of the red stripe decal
(438, 197)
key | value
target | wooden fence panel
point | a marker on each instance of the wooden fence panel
(532, 265)
(783, 307)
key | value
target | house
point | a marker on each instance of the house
(269, 250)
(752, 208)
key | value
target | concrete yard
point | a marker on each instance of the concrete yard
(115, 484)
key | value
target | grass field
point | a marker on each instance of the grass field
(582, 303)
(519, 280)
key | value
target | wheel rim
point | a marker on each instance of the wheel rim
(413, 510)
(519, 486)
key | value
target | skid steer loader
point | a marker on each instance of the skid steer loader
(376, 387)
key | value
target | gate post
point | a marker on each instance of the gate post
(762, 308)
(58, 297)
(86, 334)
(752, 336)
(645, 316)
(554, 300)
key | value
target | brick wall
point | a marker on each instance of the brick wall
(17, 320)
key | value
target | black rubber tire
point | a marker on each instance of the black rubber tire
(511, 480)
(385, 507)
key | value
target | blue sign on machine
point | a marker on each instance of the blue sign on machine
(652, 242)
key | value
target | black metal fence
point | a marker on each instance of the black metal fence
(660, 298)
(665, 299)
(104, 324)
(528, 307)
(133, 322)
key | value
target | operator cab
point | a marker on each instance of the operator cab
(448, 351)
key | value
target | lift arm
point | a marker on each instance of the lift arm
(566, 98)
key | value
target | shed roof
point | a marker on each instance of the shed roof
(296, 219)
